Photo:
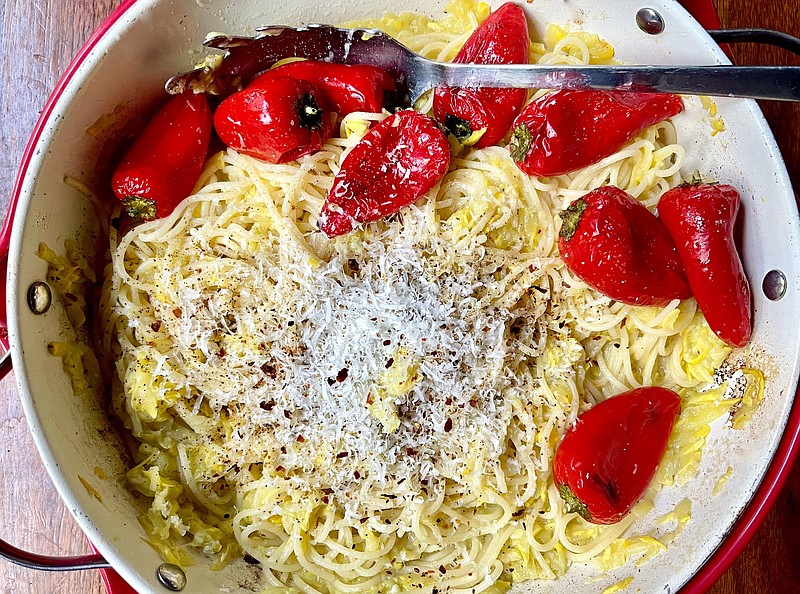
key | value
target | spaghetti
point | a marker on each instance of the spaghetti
(381, 410)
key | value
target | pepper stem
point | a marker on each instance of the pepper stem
(308, 111)
(696, 179)
(573, 504)
(139, 207)
(520, 144)
(458, 127)
(571, 218)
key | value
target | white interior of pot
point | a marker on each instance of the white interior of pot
(156, 39)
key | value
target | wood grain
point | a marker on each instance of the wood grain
(38, 39)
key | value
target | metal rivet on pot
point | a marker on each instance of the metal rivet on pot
(40, 298)
(171, 577)
(649, 21)
(774, 285)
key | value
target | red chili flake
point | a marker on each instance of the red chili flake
(473, 403)
(283, 449)
(156, 326)
(387, 342)
(357, 475)
(341, 455)
(287, 414)
(300, 438)
(370, 398)
(411, 451)
(178, 312)
(389, 362)
(222, 352)
(448, 401)
(448, 425)
(269, 370)
(342, 375)
(267, 406)
(279, 469)
(325, 499)
(442, 569)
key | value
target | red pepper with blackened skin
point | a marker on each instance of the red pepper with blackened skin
(347, 88)
(465, 112)
(608, 458)
(613, 243)
(564, 131)
(395, 163)
(701, 219)
(278, 121)
(162, 165)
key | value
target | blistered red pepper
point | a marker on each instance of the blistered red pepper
(701, 219)
(613, 243)
(608, 458)
(279, 120)
(501, 39)
(162, 166)
(347, 88)
(564, 131)
(395, 163)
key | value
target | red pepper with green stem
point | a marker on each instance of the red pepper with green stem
(613, 243)
(501, 39)
(564, 131)
(163, 164)
(701, 220)
(607, 459)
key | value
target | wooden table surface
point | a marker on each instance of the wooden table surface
(39, 37)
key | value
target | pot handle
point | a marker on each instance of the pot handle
(35, 561)
(5, 240)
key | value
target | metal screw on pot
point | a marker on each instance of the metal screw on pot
(40, 297)
(649, 21)
(171, 577)
(774, 285)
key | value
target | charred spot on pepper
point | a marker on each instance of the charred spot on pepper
(571, 217)
(608, 487)
(309, 113)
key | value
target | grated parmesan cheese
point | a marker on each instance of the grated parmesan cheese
(390, 368)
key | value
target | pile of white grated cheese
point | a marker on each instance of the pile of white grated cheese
(378, 374)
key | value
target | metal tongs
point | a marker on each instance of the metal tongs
(246, 57)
